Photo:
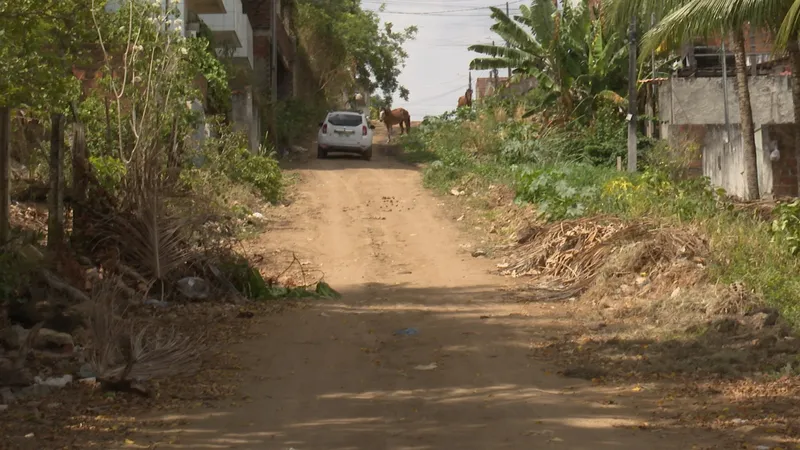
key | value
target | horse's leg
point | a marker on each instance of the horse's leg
(402, 128)
(388, 133)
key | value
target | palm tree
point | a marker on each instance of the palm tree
(688, 19)
(574, 59)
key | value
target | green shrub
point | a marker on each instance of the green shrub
(785, 228)
(109, 171)
(259, 171)
(562, 192)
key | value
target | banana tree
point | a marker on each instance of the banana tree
(573, 57)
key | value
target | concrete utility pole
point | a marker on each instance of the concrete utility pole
(509, 67)
(273, 74)
(632, 101)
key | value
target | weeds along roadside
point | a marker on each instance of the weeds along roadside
(567, 171)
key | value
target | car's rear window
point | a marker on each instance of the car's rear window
(345, 120)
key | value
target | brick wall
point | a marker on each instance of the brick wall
(784, 171)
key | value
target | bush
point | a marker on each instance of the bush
(785, 228)
(225, 161)
(109, 172)
(564, 192)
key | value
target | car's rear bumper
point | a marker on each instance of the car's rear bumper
(345, 148)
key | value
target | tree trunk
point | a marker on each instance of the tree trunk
(749, 156)
(794, 57)
(5, 174)
(55, 220)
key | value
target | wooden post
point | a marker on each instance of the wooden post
(80, 179)
(5, 174)
(619, 163)
(55, 210)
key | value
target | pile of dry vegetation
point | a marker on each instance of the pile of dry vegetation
(575, 253)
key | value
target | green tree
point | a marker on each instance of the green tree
(348, 47)
(40, 42)
(574, 58)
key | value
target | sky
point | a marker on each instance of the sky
(437, 68)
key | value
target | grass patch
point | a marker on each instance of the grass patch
(566, 174)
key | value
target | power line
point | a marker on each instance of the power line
(436, 97)
(447, 11)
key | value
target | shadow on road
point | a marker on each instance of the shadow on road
(342, 376)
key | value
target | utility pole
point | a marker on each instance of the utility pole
(632, 101)
(470, 79)
(273, 73)
(509, 67)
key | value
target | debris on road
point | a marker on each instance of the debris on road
(58, 382)
(194, 288)
(406, 332)
(431, 366)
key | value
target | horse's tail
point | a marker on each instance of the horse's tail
(407, 118)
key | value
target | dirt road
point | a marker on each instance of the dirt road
(340, 375)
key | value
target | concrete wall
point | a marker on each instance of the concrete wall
(699, 101)
(693, 109)
(244, 117)
(723, 163)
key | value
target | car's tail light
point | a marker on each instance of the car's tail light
(363, 130)
(324, 128)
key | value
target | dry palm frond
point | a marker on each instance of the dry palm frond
(124, 352)
(153, 240)
(574, 252)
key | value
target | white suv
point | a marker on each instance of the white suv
(346, 132)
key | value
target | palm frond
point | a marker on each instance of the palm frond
(489, 63)
(790, 26)
(619, 13)
(152, 239)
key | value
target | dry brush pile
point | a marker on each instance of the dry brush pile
(575, 251)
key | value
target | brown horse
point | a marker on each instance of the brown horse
(391, 117)
(466, 99)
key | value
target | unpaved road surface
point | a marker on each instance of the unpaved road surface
(338, 376)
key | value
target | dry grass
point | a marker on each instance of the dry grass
(575, 252)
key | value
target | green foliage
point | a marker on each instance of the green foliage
(109, 171)
(249, 281)
(786, 226)
(226, 160)
(296, 118)
(349, 48)
(564, 192)
(259, 171)
(575, 60)
(41, 41)
(203, 59)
